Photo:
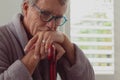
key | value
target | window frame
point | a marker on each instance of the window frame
(117, 38)
(116, 74)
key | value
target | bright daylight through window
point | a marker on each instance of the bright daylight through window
(93, 31)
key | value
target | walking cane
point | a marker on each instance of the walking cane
(52, 62)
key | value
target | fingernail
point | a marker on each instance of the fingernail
(36, 57)
(25, 50)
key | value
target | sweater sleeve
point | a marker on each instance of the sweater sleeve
(16, 71)
(81, 70)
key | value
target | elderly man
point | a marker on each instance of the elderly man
(24, 44)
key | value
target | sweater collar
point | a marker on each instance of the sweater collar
(20, 30)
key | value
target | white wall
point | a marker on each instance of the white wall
(8, 8)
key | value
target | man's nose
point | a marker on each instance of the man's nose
(51, 24)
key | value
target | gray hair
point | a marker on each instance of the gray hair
(62, 2)
(30, 1)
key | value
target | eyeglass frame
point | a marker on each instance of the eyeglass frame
(52, 16)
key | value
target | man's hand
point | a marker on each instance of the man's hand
(37, 48)
(42, 40)
(29, 61)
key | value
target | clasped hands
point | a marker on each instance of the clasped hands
(40, 43)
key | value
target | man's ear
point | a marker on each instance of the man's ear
(25, 7)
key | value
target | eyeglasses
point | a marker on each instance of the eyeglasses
(46, 16)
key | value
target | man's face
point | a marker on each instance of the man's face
(32, 18)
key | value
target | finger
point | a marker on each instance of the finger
(60, 51)
(33, 47)
(49, 42)
(42, 51)
(37, 46)
(30, 43)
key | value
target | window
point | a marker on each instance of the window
(92, 29)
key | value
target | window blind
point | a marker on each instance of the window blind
(92, 29)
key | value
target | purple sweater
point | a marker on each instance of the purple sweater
(13, 39)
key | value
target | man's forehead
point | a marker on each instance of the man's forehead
(52, 6)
